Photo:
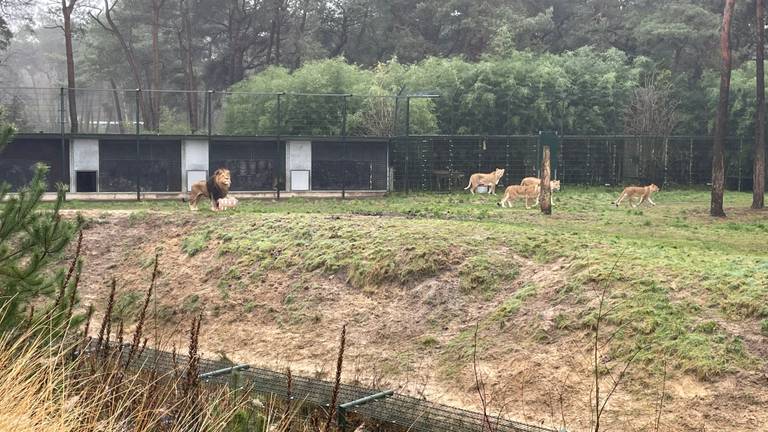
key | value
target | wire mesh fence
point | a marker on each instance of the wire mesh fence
(399, 411)
(179, 112)
(445, 163)
(33, 110)
(418, 159)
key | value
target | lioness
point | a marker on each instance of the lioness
(644, 192)
(515, 191)
(490, 180)
(554, 185)
(215, 188)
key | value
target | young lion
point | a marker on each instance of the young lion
(515, 191)
(490, 180)
(644, 192)
(216, 187)
(554, 185)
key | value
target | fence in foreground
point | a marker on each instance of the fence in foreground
(395, 411)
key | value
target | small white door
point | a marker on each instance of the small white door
(300, 180)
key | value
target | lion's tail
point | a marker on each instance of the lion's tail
(469, 185)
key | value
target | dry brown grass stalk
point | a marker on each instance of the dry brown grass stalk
(337, 382)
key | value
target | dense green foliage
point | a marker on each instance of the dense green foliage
(518, 94)
(500, 66)
(30, 240)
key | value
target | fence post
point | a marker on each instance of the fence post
(666, 159)
(738, 157)
(407, 141)
(420, 155)
(561, 174)
(138, 150)
(450, 165)
(280, 149)
(209, 114)
(589, 160)
(690, 164)
(62, 131)
(394, 116)
(507, 171)
(345, 162)
(407, 146)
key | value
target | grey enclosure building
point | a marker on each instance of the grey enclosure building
(165, 164)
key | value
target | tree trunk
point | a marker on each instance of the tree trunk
(66, 10)
(300, 36)
(278, 24)
(237, 33)
(758, 172)
(118, 108)
(545, 202)
(185, 42)
(112, 28)
(154, 97)
(721, 121)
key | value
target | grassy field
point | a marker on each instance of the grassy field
(682, 281)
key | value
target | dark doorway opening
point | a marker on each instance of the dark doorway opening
(86, 181)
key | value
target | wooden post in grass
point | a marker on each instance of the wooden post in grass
(545, 202)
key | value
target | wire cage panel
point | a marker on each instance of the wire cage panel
(350, 165)
(253, 165)
(18, 159)
(154, 164)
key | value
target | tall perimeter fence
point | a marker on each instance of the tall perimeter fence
(381, 410)
(425, 149)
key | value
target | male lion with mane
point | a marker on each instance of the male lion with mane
(644, 192)
(215, 188)
(490, 180)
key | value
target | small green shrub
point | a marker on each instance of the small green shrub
(191, 303)
(195, 243)
(484, 274)
(127, 305)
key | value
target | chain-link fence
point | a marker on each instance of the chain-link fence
(247, 133)
(445, 163)
(397, 411)
(221, 113)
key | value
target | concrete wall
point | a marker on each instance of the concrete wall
(194, 157)
(84, 156)
(298, 156)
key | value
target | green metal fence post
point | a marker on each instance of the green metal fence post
(209, 114)
(138, 143)
(281, 175)
(407, 115)
(450, 165)
(345, 144)
(690, 163)
(63, 142)
(738, 158)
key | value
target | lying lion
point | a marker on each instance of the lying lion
(644, 192)
(490, 180)
(215, 188)
(516, 191)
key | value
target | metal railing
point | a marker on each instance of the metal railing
(385, 407)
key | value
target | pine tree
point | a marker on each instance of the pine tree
(30, 240)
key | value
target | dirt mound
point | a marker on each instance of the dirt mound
(416, 337)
